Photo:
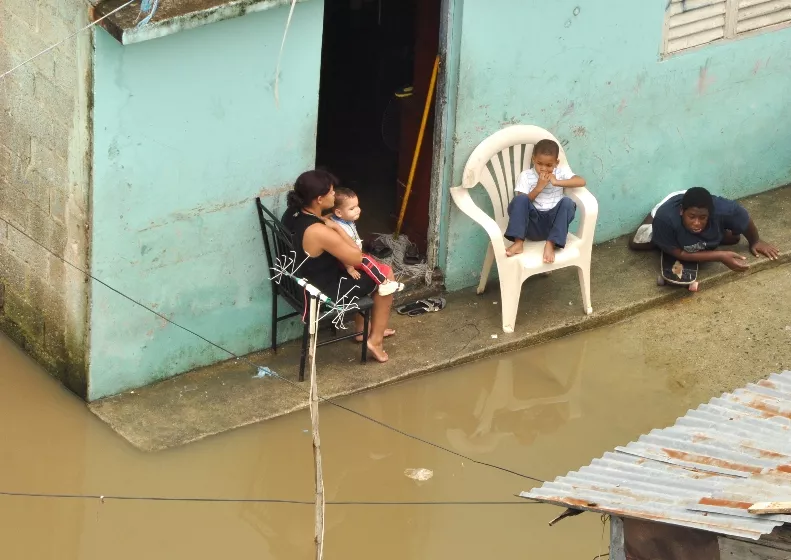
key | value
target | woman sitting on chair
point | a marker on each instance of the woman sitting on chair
(324, 251)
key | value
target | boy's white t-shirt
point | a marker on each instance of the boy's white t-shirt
(548, 198)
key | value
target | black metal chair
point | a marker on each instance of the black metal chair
(277, 242)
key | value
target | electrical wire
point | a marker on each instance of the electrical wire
(274, 374)
(34, 57)
(258, 500)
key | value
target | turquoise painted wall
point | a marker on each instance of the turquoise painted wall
(186, 134)
(636, 127)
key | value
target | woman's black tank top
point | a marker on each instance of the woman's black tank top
(323, 271)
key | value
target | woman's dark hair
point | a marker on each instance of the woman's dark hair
(309, 186)
(547, 147)
(697, 197)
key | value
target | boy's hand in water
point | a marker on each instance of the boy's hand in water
(765, 249)
(734, 261)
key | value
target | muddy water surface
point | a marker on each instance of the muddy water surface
(543, 412)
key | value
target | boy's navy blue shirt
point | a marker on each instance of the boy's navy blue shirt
(669, 231)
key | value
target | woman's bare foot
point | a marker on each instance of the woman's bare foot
(516, 248)
(549, 252)
(388, 332)
(378, 352)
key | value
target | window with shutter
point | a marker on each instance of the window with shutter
(757, 14)
(692, 23)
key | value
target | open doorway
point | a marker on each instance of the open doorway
(377, 60)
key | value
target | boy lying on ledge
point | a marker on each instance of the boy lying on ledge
(692, 225)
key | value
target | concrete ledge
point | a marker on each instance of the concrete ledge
(225, 396)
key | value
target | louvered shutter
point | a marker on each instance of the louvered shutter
(756, 14)
(696, 22)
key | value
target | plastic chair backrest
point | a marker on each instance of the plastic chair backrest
(499, 160)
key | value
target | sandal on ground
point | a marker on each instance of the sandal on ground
(421, 306)
(379, 250)
(437, 303)
(412, 255)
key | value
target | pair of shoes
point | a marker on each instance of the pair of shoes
(390, 287)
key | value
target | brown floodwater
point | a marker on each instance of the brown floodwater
(543, 412)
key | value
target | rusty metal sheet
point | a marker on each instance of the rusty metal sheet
(703, 472)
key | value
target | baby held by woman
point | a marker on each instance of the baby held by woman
(345, 213)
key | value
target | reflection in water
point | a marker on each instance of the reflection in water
(543, 412)
(500, 413)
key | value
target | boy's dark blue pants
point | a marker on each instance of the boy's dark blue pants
(526, 222)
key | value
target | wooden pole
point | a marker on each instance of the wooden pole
(314, 420)
(426, 111)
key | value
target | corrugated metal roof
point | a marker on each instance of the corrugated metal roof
(703, 472)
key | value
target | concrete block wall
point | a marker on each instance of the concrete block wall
(44, 183)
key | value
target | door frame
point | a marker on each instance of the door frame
(444, 124)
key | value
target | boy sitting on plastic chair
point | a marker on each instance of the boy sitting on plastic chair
(539, 210)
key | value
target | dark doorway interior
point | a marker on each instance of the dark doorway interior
(367, 128)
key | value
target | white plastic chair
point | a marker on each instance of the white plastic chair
(514, 145)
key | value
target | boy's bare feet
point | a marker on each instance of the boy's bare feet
(516, 248)
(378, 352)
(549, 252)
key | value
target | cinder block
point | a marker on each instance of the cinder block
(6, 160)
(56, 239)
(49, 164)
(39, 226)
(73, 12)
(42, 124)
(57, 205)
(21, 312)
(55, 343)
(14, 205)
(25, 10)
(13, 271)
(35, 188)
(38, 291)
(56, 273)
(18, 91)
(11, 56)
(19, 141)
(58, 103)
(65, 73)
(53, 29)
(28, 251)
(21, 35)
